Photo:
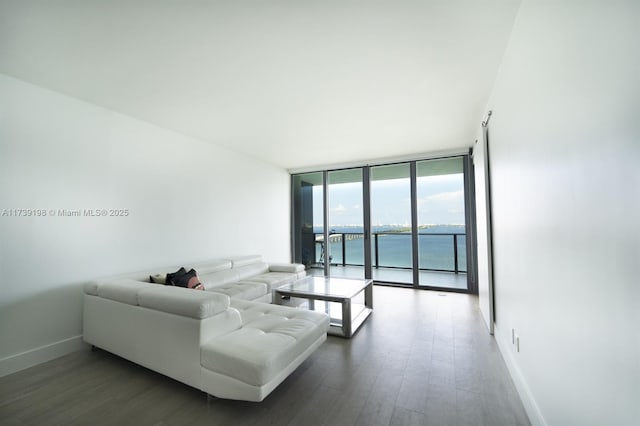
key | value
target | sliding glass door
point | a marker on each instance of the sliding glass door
(308, 221)
(403, 223)
(441, 223)
(391, 224)
(346, 223)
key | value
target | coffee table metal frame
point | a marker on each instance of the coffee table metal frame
(349, 324)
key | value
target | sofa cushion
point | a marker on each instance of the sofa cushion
(213, 266)
(184, 302)
(244, 290)
(216, 279)
(286, 267)
(252, 311)
(274, 279)
(239, 261)
(251, 270)
(125, 291)
(264, 346)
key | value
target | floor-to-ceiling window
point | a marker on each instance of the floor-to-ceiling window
(346, 223)
(402, 223)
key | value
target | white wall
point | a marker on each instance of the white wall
(565, 147)
(187, 201)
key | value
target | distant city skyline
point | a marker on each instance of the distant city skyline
(440, 202)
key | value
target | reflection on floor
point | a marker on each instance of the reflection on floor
(403, 276)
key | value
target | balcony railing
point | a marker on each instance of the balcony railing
(444, 252)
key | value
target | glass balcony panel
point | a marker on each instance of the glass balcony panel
(462, 253)
(436, 252)
(391, 243)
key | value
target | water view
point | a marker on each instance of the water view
(427, 193)
(438, 247)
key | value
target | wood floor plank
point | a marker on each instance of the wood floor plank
(405, 417)
(351, 400)
(315, 408)
(379, 407)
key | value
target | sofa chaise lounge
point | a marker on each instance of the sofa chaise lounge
(221, 340)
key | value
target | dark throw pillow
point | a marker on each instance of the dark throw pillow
(172, 276)
(187, 279)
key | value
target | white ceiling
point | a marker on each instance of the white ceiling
(296, 83)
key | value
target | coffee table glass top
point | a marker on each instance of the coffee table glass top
(321, 286)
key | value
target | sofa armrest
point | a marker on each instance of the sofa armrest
(286, 267)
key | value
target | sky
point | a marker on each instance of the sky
(440, 202)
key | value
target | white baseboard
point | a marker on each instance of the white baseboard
(529, 402)
(17, 362)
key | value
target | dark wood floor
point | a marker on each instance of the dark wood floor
(422, 358)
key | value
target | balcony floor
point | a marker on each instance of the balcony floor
(402, 276)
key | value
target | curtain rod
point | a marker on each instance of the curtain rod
(486, 122)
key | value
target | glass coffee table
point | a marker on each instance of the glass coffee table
(348, 302)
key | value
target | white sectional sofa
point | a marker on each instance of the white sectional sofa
(239, 277)
(220, 340)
